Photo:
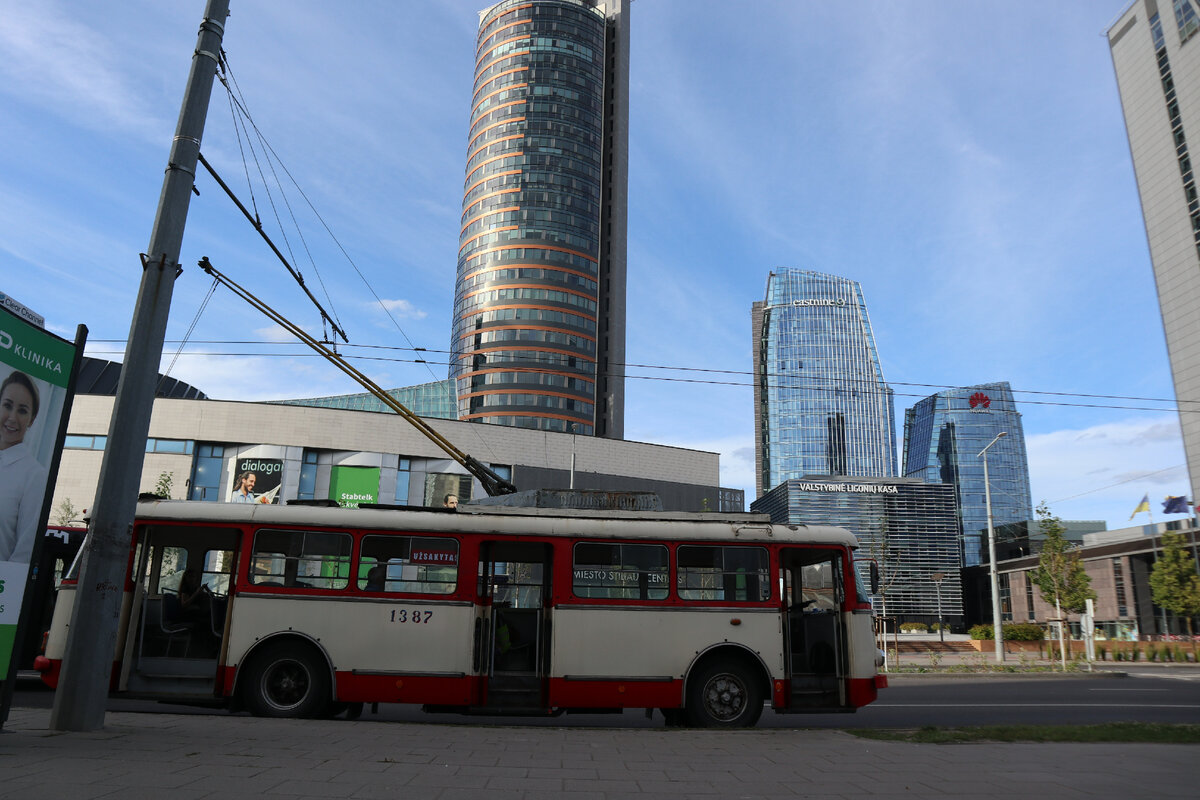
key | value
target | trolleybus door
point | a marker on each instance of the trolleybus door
(815, 595)
(170, 649)
(516, 623)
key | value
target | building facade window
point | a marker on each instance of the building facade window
(77, 442)
(1029, 595)
(206, 472)
(403, 475)
(1119, 588)
(307, 490)
(179, 446)
(1188, 23)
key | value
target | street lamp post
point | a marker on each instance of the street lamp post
(987, 495)
(937, 582)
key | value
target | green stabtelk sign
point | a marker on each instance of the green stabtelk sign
(350, 486)
(35, 372)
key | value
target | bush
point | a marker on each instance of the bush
(1023, 632)
(1102, 652)
(981, 632)
(940, 626)
(913, 627)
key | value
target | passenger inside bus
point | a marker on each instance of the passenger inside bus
(376, 576)
(190, 604)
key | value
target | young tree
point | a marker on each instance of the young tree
(65, 512)
(164, 484)
(887, 557)
(1059, 574)
(1174, 583)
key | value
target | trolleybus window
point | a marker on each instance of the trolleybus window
(819, 587)
(417, 564)
(621, 571)
(214, 572)
(301, 559)
(730, 574)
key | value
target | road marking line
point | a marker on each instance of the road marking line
(1032, 705)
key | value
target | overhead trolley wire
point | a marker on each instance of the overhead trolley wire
(743, 384)
(337, 242)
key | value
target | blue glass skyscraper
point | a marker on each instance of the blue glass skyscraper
(943, 435)
(821, 406)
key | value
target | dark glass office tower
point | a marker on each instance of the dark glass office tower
(539, 308)
(821, 406)
(943, 436)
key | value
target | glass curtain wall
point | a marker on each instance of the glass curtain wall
(906, 526)
(527, 303)
(943, 435)
(823, 407)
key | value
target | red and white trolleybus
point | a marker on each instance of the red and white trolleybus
(307, 611)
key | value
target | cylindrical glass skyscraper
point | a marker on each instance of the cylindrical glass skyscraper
(821, 406)
(535, 302)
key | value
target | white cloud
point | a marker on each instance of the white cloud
(404, 309)
(1101, 472)
(276, 333)
(55, 61)
(258, 378)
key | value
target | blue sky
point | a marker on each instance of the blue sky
(966, 162)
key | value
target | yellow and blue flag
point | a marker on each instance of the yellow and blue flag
(1142, 506)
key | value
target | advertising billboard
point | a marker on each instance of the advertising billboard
(256, 480)
(350, 486)
(36, 370)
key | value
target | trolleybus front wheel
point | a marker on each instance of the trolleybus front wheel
(724, 694)
(287, 680)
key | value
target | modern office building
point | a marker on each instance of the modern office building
(821, 406)
(943, 436)
(1118, 563)
(1156, 54)
(905, 525)
(352, 457)
(538, 335)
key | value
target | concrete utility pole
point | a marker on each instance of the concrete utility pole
(87, 664)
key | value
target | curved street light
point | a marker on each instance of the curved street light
(987, 495)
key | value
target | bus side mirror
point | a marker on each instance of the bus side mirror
(874, 578)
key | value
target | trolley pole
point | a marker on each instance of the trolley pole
(87, 663)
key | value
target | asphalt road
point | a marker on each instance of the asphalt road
(1163, 695)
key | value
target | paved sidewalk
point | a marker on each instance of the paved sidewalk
(187, 757)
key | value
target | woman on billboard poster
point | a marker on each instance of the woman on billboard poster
(22, 477)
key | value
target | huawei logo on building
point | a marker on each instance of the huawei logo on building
(980, 402)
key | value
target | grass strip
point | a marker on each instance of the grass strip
(1133, 732)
